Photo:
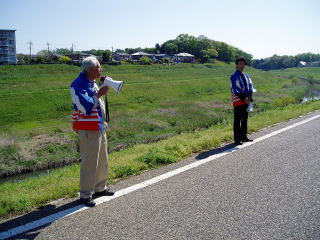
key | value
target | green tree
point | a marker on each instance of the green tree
(170, 47)
(149, 50)
(23, 59)
(186, 43)
(62, 51)
(132, 50)
(45, 56)
(207, 55)
(226, 53)
(158, 48)
(64, 59)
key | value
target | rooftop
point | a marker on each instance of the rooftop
(141, 54)
(184, 55)
(7, 30)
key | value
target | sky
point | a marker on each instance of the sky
(260, 27)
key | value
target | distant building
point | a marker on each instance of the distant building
(8, 53)
(308, 64)
(184, 57)
(121, 56)
(313, 64)
(301, 64)
(138, 55)
(78, 57)
(158, 57)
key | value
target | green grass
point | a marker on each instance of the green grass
(18, 196)
(157, 102)
(308, 72)
(310, 75)
(164, 114)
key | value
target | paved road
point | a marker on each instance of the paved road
(269, 190)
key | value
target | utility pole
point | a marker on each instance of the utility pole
(30, 44)
(48, 44)
(73, 46)
(112, 49)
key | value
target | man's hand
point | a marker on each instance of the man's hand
(247, 100)
(102, 91)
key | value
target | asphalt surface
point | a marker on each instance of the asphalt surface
(269, 190)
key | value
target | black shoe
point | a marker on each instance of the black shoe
(106, 192)
(88, 202)
(237, 143)
(247, 140)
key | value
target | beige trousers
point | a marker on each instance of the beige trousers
(94, 162)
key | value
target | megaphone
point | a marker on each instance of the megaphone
(116, 85)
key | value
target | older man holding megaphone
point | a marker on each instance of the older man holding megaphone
(90, 122)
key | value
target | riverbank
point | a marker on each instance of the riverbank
(157, 102)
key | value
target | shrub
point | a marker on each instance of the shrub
(284, 101)
(64, 59)
(145, 60)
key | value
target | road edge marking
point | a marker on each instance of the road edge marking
(79, 208)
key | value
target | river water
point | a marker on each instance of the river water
(312, 96)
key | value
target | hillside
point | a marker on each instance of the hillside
(157, 102)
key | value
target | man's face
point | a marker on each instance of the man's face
(95, 72)
(240, 66)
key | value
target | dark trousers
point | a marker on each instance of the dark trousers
(240, 124)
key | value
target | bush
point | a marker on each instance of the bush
(64, 59)
(284, 101)
(145, 60)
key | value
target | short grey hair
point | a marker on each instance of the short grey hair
(88, 63)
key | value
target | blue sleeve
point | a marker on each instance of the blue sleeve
(235, 89)
(82, 99)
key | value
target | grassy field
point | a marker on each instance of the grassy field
(19, 196)
(307, 72)
(164, 114)
(157, 102)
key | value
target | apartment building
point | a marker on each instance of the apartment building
(8, 53)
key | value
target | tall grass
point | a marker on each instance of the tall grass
(156, 103)
(19, 196)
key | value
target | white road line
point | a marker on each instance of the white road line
(46, 220)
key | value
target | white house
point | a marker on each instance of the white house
(138, 55)
(184, 57)
(301, 64)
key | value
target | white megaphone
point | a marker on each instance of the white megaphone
(116, 85)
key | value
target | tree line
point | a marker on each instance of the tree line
(203, 48)
(278, 62)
